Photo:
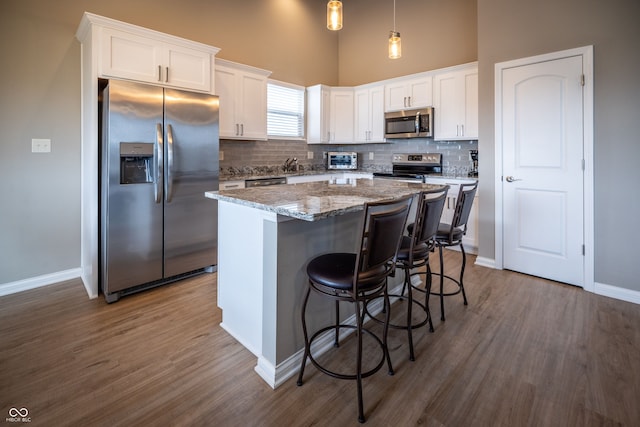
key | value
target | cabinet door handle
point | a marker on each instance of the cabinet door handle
(241, 129)
(405, 101)
(237, 129)
(409, 98)
(166, 76)
(461, 130)
(159, 73)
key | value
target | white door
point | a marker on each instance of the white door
(542, 169)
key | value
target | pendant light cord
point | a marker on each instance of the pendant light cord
(394, 16)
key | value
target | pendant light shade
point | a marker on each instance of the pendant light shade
(334, 15)
(395, 45)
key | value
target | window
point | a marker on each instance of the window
(285, 110)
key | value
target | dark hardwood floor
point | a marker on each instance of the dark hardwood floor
(524, 352)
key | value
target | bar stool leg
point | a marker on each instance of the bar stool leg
(427, 287)
(336, 342)
(464, 262)
(359, 363)
(407, 279)
(306, 337)
(441, 284)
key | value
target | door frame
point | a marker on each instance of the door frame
(588, 185)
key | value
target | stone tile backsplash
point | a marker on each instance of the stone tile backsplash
(268, 157)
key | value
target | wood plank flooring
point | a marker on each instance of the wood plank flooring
(524, 352)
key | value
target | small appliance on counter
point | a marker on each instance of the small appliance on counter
(473, 158)
(342, 160)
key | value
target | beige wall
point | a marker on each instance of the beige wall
(435, 34)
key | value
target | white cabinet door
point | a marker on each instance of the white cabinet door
(410, 93)
(341, 116)
(134, 57)
(318, 104)
(129, 56)
(456, 105)
(187, 68)
(369, 114)
(226, 91)
(243, 101)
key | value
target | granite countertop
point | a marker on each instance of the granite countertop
(242, 176)
(313, 201)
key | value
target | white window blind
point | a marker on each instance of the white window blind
(285, 110)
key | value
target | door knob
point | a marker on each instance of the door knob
(511, 179)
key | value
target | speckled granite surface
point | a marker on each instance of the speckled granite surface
(313, 201)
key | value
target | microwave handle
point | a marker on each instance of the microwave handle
(417, 122)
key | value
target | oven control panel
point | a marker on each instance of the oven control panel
(422, 159)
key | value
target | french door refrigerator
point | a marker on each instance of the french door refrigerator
(158, 156)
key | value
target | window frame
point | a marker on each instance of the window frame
(301, 114)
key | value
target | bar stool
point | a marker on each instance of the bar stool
(451, 235)
(414, 253)
(357, 278)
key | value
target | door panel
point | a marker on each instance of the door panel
(542, 155)
(190, 233)
(131, 222)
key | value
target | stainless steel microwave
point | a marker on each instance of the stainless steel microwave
(342, 160)
(409, 123)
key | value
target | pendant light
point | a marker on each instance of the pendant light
(395, 46)
(334, 15)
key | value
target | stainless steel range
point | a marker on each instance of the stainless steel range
(413, 167)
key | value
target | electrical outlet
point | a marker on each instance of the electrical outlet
(221, 156)
(40, 145)
(371, 155)
(310, 155)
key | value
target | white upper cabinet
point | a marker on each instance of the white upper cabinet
(456, 104)
(408, 93)
(318, 104)
(329, 115)
(134, 53)
(341, 116)
(369, 114)
(243, 100)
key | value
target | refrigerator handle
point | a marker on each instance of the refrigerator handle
(169, 189)
(159, 150)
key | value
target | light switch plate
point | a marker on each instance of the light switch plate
(40, 145)
(309, 155)
(221, 157)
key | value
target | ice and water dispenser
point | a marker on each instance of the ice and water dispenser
(136, 162)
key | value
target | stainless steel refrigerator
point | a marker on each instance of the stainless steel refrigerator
(158, 155)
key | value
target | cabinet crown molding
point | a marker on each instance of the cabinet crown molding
(90, 19)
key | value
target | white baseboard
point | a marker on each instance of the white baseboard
(486, 262)
(38, 282)
(623, 294)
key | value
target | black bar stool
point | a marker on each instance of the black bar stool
(357, 278)
(451, 235)
(414, 253)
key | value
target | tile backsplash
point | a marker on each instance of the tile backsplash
(268, 157)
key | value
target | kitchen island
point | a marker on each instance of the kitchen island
(266, 237)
